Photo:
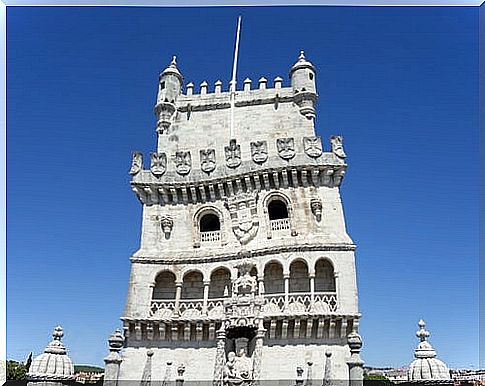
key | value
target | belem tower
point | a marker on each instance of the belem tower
(245, 273)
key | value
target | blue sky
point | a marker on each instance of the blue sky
(400, 84)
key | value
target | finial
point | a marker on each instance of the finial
(422, 333)
(302, 55)
(116, 340)
(58, 333)
(173, 63)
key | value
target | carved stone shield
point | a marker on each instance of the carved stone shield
(208, 160)
(158, 163)
(136, 163)
(259, 151)
(286, 147)
(244, 216)
(233, 154)
(312, 146)
(183, 162)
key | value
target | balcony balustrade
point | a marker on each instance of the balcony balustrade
(318, 303)
(210, 237)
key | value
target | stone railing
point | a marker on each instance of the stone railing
(281, 224)
(210, 236)
(318, 303)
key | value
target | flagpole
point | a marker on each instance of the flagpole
(233, 80)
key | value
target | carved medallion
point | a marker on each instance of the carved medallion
(136, 163)
(259, 151)
(233, 154)
(286, 147)
(208, 160)
(158, 163)
(183, 162)
(312, 146)
(337, 146)
(244, 216)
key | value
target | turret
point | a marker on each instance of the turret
(302, 76)
(169, 88)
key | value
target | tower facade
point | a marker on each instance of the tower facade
(245, 271)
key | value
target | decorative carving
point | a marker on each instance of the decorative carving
(208, 160)
(183, 162)
(166, 222)
(136, 163)
(158, 163)
(259, 151)
(244, 216)
(286, 147)
(316, 206)
(337, 146)
(245, 284)
(312, 146)
(238, 369)
(233, 154)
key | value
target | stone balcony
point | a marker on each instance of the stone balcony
(298, 303)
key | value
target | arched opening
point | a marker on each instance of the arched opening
(299, 280)
(277, 210)
(273, 278)
(193, 286)
(324, 276)
(164, 286)
(209, 223)
(220, 280)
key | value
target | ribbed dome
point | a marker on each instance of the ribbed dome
(302, 63)
(53, 364)
(426, 366)
(172, 69)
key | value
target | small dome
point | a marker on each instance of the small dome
(53, 364)
(302, 63)
(426, 366)
(172, 69)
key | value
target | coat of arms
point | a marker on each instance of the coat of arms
(183, 162)
(244, 216)
(208, 160)
(286, 147)
(136, 163)
(233, 154)
(312, 146)
(158, 163)
(259, 151)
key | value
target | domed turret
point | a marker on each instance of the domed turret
(426, 366)
(53, 365)
(302, 76)
(169, 88)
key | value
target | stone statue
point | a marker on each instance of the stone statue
(286, 147)
(238, 369)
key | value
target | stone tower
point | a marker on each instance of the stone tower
(245, 272)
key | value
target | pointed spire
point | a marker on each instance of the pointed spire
(302, 62)
(301, 58)
(172, 69)
(173, 63)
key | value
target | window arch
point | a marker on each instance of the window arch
(277, 209)
(324, 276)
(209, 222)
(193, 285)
(164, 288)
(299, 280)
(220, 280)
(208, 225)
(273, 278)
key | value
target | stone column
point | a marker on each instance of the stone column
(113, 360)
(258, 354)
(286, 277)
(220, 357)
(312, 291)
(261, 285)
(178, 294)
(356, 365)
(206, 297)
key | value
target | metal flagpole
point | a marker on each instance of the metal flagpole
(233, 80)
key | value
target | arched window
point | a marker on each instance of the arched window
(273, 278)
(324, 276)
(193, 286)
(220, 280)
(277, 210)
(164, 286)
(299, 280)
(210, 223)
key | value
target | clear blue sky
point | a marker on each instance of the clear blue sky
(400, 84)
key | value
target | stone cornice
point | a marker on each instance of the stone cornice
(225, 256)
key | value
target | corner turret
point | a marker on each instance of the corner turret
(169, 89)
(302, 76)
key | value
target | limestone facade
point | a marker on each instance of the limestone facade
(245, 271)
